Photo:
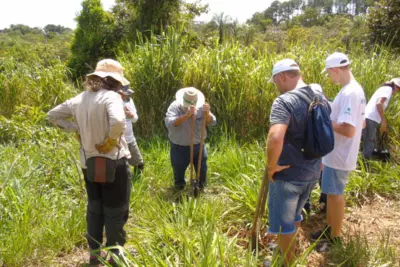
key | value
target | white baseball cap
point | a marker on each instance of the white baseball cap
(396, 81)
(284, 65)
(336, 60)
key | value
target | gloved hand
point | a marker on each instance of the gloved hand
(78, 137)
(107, 145)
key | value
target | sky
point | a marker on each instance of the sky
(39, 13)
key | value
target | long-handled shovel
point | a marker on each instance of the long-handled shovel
(192, 180)
(260, 208)
(203, 133)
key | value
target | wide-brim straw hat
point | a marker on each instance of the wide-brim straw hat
(190, 96)
(110, 68)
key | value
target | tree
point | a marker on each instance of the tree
(224, 24)
(383, 20)
(57, 29)
(148, 16)
(259, 21)
(95, 37)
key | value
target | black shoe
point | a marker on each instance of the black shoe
(178, 188)
(94, 259)
(324, 234)
(322, 207)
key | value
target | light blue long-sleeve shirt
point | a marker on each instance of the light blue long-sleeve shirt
(180, 135)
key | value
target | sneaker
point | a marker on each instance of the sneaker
(269, 263)
(325, 245)
(324, 234)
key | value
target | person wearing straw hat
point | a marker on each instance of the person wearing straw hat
(136, 159)
(348, 112)
(98, 117)
(375, 114)
(189, 102)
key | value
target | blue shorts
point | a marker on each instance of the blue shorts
(334, 181)
(285, 203)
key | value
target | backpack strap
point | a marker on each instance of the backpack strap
(306, 98)
(302, 95)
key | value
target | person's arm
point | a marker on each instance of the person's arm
(276, 136)
(211, 119)
(348, 115)
(180, 120)
(61, 115)
(117, 120)
(379, 108)
(279, 121)
(131, 112)
(344, 129)
(116, 115)
(173, 117)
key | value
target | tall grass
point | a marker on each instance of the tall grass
(234, 78)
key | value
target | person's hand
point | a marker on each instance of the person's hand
(126, 108)
(274, 169)
(384, 126)
(78, 137)
(206, 108)
(191, 111)
(107, 145)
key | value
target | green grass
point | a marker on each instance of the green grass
(42, 197)
(42, 205)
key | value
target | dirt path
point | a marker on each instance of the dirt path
(372, 220)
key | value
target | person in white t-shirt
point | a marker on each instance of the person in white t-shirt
(375, 114)
(136, 159)
(348, 110)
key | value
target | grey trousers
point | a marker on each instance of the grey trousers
(136, 157)
(369, 138)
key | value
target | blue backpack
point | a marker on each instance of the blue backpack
(319, 139)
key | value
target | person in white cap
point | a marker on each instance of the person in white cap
(375, 114)
(292, 175)
(136, 159)
(189, 102)
(348, 112)
(98, 118)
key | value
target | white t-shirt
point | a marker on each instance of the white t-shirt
(129, 136)
(371, 112)
(347, 107)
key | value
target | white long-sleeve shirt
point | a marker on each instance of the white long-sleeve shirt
(129, 135)
(96, 116)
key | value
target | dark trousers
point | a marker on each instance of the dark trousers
(108, 207)
(180, 160)
(369, 138)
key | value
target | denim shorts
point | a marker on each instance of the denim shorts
(285, 203)
(334, 181)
